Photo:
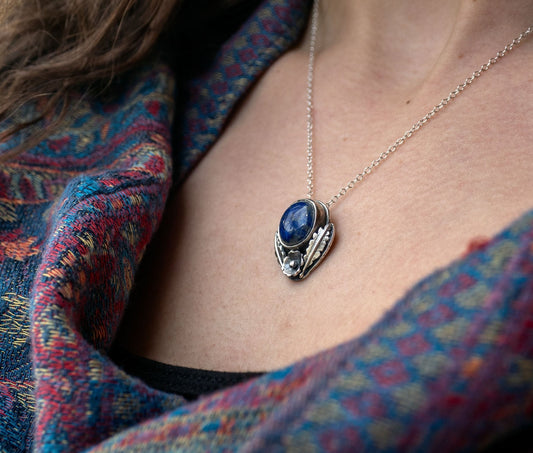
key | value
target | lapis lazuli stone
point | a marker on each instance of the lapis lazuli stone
(297, 222)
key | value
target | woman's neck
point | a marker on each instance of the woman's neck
(404, 44)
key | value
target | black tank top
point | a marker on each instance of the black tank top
(187, 382)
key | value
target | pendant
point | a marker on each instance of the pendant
(304, 237)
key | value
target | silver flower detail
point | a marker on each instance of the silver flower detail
(292, 264)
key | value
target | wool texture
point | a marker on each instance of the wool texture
(448, 368)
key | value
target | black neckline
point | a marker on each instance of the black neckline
(190, 383)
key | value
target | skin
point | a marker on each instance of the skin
(211, 294)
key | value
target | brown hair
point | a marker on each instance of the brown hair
(49, 48)
(52, 49)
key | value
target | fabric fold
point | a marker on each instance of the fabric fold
(101, 226)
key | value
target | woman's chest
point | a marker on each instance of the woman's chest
(212, 294)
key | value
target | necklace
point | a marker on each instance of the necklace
(305, 233)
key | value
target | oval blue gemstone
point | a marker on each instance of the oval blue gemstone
(297, 222)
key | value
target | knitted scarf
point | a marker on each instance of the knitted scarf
(448, 368)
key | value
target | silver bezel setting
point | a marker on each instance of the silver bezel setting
(298, 260)
(311, 231)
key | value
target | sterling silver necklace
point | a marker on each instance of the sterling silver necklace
(305, 233)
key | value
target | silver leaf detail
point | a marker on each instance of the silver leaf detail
(280, 251)
(324, 241)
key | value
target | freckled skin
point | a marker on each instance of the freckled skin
(213, 295)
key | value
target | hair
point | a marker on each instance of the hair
(52, 49)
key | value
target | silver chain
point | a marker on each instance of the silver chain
(408, 134)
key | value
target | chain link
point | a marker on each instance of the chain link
(309, 111)
(408, 134)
